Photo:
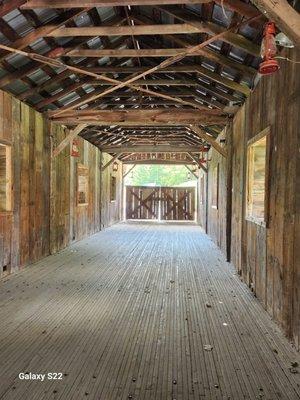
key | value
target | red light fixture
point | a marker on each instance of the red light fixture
(268, 51)
(75, 149)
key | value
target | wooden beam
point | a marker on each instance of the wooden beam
(68, 139)
(92, 96)
(150, 149)
(189, 68)
(135, 30)
(163, 64)
(191, 95)
(238, 6)
(237, 87)
(191, 171)
(120, 53)
(215, 57)
(131, 117)
(209, 139)
(143, 114)
(211, 28)
(31, 4)
(159, 162)
(110, 161)
(284, 15)
(199, 163)
(146, 82)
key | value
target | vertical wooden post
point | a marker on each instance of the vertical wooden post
(101, 189)
(228, 136)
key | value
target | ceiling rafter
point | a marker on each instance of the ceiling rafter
(109, 67)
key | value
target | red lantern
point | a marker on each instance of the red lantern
(74, 149)
(268, 51)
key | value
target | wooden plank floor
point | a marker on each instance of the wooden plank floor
(130, 312)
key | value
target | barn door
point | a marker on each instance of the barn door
(177, 204)
(142, 202)
(165, 203)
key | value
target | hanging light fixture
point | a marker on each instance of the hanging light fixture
(268, 51)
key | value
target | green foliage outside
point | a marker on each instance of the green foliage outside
(158, 175)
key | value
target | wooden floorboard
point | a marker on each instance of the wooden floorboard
(129, 312)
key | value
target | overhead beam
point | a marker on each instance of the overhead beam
(245, 9)
(160, 162)
(31, 4)
(68, 139)
(199, 163)
(284, 15)
(215, 57)
(173, 116)
(211, 28)
(146, 82)
(189, 68)
(163, 64)
(158, 29)
(209, 139)
(92, 96)
(150, 149)
(120, 53)
(190, 170)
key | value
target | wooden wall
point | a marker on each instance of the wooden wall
(111, 211)
(267, 258)
(70, 221)
(24, 232)
(216, 217)
(45, 216)
(201, 202)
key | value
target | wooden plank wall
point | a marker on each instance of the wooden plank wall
(267, 258)
(45, 216)
(70, 221)
(216, 217)
(24, 232)
(111, 211)
(201, 203)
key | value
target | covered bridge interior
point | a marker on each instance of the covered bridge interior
(117, 309)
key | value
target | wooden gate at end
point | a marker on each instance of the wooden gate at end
(160, 203)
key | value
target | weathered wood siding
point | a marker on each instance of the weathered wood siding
(24, 232)
(216, 217)
(267, 258)
(70, 221)
(45, 216)
(111, 211)
(201, 202)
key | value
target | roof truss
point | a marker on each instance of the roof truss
(137, 76)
